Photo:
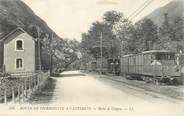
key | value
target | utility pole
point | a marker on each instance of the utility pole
(101, 53)
(39, 51)
(121, 46)
(51, 53)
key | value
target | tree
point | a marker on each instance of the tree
(112, 17)
(178, 29)
(6, 25)
(178, 36)
(148, 34)
(165, 34)
(125, 35)
(136, 38)
(91, 40)
(104, 30)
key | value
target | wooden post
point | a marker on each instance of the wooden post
(29, 81)
(25, 84)
(22, 87)
(31, 84)
(34, 81)
(4, 68)
(38, 79)
(13, 94)
(19, 93)
(5, 96)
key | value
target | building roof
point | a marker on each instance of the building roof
(1, 35)
(15, 32)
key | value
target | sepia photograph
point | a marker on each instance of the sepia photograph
(92, 57)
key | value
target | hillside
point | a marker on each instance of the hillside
(174, 9)
(15, 13)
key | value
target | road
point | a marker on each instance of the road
(77, 89)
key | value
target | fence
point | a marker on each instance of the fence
(19, 87)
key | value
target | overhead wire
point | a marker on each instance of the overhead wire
(138, 8)
(141, 10)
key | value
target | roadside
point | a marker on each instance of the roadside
(44, 93)
(171, 91)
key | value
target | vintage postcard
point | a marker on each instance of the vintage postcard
(92, 57)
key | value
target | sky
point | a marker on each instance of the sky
(70, 18)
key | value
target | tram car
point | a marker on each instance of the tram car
(152, 66)
(91, 66)
(113, 66)
(102, 66)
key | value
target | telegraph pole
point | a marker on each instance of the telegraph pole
(39, 49)
(101, 54)
(51, 53)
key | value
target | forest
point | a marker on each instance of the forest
(120, 36)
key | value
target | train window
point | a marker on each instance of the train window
(165, 56)
(134, 60)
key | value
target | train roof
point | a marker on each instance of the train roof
(160, 51)
(151, 51)
(128, 55)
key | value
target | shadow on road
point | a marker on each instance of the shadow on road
(44, 93)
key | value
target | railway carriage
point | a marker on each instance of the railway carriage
(91, 66)
(101, 66)
(98, 66)
(113, 66)
(155, 65)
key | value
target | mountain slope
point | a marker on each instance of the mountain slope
(15, 13)
(173, 9)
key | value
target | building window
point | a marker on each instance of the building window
(19, 63)
(19, 45)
